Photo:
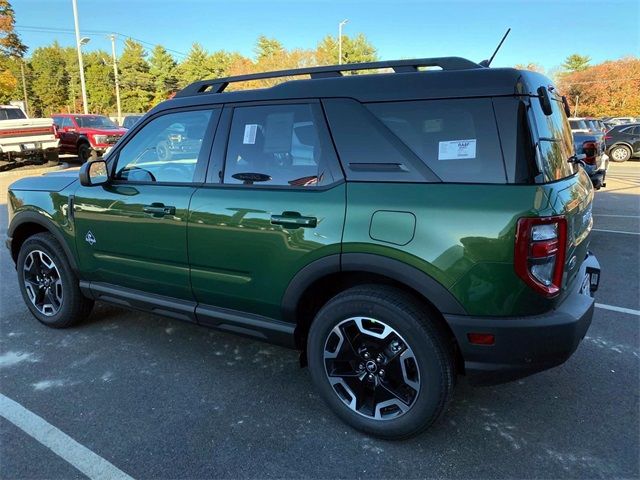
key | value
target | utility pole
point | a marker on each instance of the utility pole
(24, 88)
(340, 25)
(575, 109)
(115, 74)
(79, 47)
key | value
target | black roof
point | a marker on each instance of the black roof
(457, 78)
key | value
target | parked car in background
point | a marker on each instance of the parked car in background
(130, 120)
(622, 120)
(588, 140)
(623, 142)
(25, 138)
(399, 229)
(82, 134)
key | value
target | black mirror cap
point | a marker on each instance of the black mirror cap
(545, 101)
(85, 173)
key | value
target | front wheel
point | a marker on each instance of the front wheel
(620, 153)
(381, 362)
(47, 283)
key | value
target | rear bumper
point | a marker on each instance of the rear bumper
(526, 345)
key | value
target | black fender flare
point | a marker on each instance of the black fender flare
(396, 270)
(33, 217)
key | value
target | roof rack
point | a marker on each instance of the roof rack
(218, 85)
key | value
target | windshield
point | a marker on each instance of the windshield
(95, 121)
(578, 125)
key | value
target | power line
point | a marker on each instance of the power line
(68, 31)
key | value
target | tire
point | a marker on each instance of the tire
(620, 153)
(84, 152)
(162, 151)
(423, 362)
(67, 304)
(52, 156)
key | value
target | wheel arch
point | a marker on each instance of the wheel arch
(26, 224)
(621, 143)
(322, 279)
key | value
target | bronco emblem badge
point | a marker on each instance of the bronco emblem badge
(89, 238)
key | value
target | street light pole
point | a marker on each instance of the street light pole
(340, 25)
(79, 47)
(24, 88)
(115, 74)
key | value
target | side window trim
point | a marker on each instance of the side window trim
(203, 156)
(217, 162)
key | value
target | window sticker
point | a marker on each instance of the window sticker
(457, 149)
(250, 131)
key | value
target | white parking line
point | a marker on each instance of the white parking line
(613, 308)
(80, 457)
(614, 231)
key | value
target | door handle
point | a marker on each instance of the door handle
(294, 220)
(159, 209)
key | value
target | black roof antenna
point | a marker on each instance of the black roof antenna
(487, 63)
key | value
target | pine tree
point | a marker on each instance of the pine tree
(99, 80)
(136, 83)
(195, 67)
(162, 68)
(576, 63)
(354, 50)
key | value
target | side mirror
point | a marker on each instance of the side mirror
(94, 173)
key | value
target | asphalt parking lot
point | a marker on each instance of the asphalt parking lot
(158, 398)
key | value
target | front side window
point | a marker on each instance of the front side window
(280, 145)
(165, 150)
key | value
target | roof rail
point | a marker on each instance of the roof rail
(218, 85)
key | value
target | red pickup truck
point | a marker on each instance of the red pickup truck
(82, 134)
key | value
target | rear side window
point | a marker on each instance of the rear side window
(279, 145)
(457, 139)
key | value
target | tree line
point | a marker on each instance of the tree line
(148, 77)
(52, 78)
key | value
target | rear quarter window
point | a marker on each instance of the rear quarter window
(457, 139)
(555, 141)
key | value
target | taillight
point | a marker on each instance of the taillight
(590, 149)
(540, 251)
(608, 137)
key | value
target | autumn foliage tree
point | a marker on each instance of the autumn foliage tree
(608, 89)
(11, 52)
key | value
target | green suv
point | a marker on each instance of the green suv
(399, 228)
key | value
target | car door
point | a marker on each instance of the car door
(273, 203)
(634, 140)
(68, 134)
(131, 232)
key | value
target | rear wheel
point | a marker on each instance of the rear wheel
(47, 283)
(620, 153)
(380, 362)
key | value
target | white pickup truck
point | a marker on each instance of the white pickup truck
(23, 138)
